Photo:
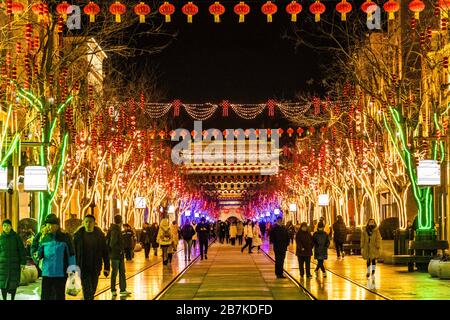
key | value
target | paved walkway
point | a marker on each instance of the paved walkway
(347, 280)
(229, 274)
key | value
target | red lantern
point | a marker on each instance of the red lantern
(290, 131)
(444, 4)
(300, 131)
(117, 9)
(317, 8)
(16, 9)
(369, 7)
(216, 9)
(241, 9)
(294, 8)
(269, 9)
(142, 10)
(280, 131)
(343, 8)
(391, 7)
(190, 10)
(416, 6)
(91, 9)
(167, 9)
(62, 9)
(38, 9)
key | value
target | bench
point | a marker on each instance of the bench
(352, 244)
(421, 253)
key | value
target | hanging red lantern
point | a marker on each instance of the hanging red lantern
(416, 6)
(241, 9)
(167, 9)
(216, 9)
(391, 7)
(142, 10)
(190, 10)
(269, 9)
(294, 8)
(17, 8)
(369, 7)
(280, 131)
(117, 9)
(91, 9)
(290, 131)
(317, 8)
(62, 9)
(343, 8)
(444, 4)
(38, 9)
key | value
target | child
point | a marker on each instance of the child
(321, 244)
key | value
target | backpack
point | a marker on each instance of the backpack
(166, 235)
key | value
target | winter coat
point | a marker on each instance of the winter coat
(202, 230)
(12, 256)
(145, 236)
(233, 231)
(154, 236)
(279, 237)
(327, 228)
(256, 236)
(101, 249)
(321, 244)
(128, 239)
(339, 231)
(57, 252)
(248, 231)
(187, 232)
(115, 242)
(239, 229)
(164, 234)
(370, 245)
(305, 244)
(175, 233)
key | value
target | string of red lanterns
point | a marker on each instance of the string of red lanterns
(293, 8)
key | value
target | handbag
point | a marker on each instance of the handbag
(73, 284)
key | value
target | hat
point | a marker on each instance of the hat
(7, 221)
(320, 225)
(52, 219)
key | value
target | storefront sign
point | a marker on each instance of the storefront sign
(140, 203)
(323, 200)
(36, 178)
(428, 173)
(3, 178)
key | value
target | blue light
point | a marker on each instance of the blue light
(276, 211)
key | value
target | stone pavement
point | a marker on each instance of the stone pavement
(229, 274)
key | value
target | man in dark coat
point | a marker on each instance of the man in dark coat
(145, 239)
(91, 253)
(340, 235)
(154, 237)
(12, 257)
(116, 253)
(279, 237)
(304, 248)
(202, 230)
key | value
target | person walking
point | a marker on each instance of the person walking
(339, 236)
(370, 245)
(227, 232)
(115, 242)
(145, 239)
(187, 232)
(326, 227)
(194, 237)
(239, 232)
(233, 232)
(256, 241)
(12, 260)
(262, 227)
(222, 231)
(321, 244)
(248, 235)
(202, 230)
(279, 237)
(128, 239)
(305, 244)
(154, 238)
(56, 250)
(291, 231)
(165, 239)
(91, 254)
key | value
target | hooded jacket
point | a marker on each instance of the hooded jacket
(370, 244)
(12, 256)
(165, 237)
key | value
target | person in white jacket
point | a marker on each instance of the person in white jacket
(256, 242)
(248, 235)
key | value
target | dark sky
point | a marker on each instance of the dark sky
(242, 62)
